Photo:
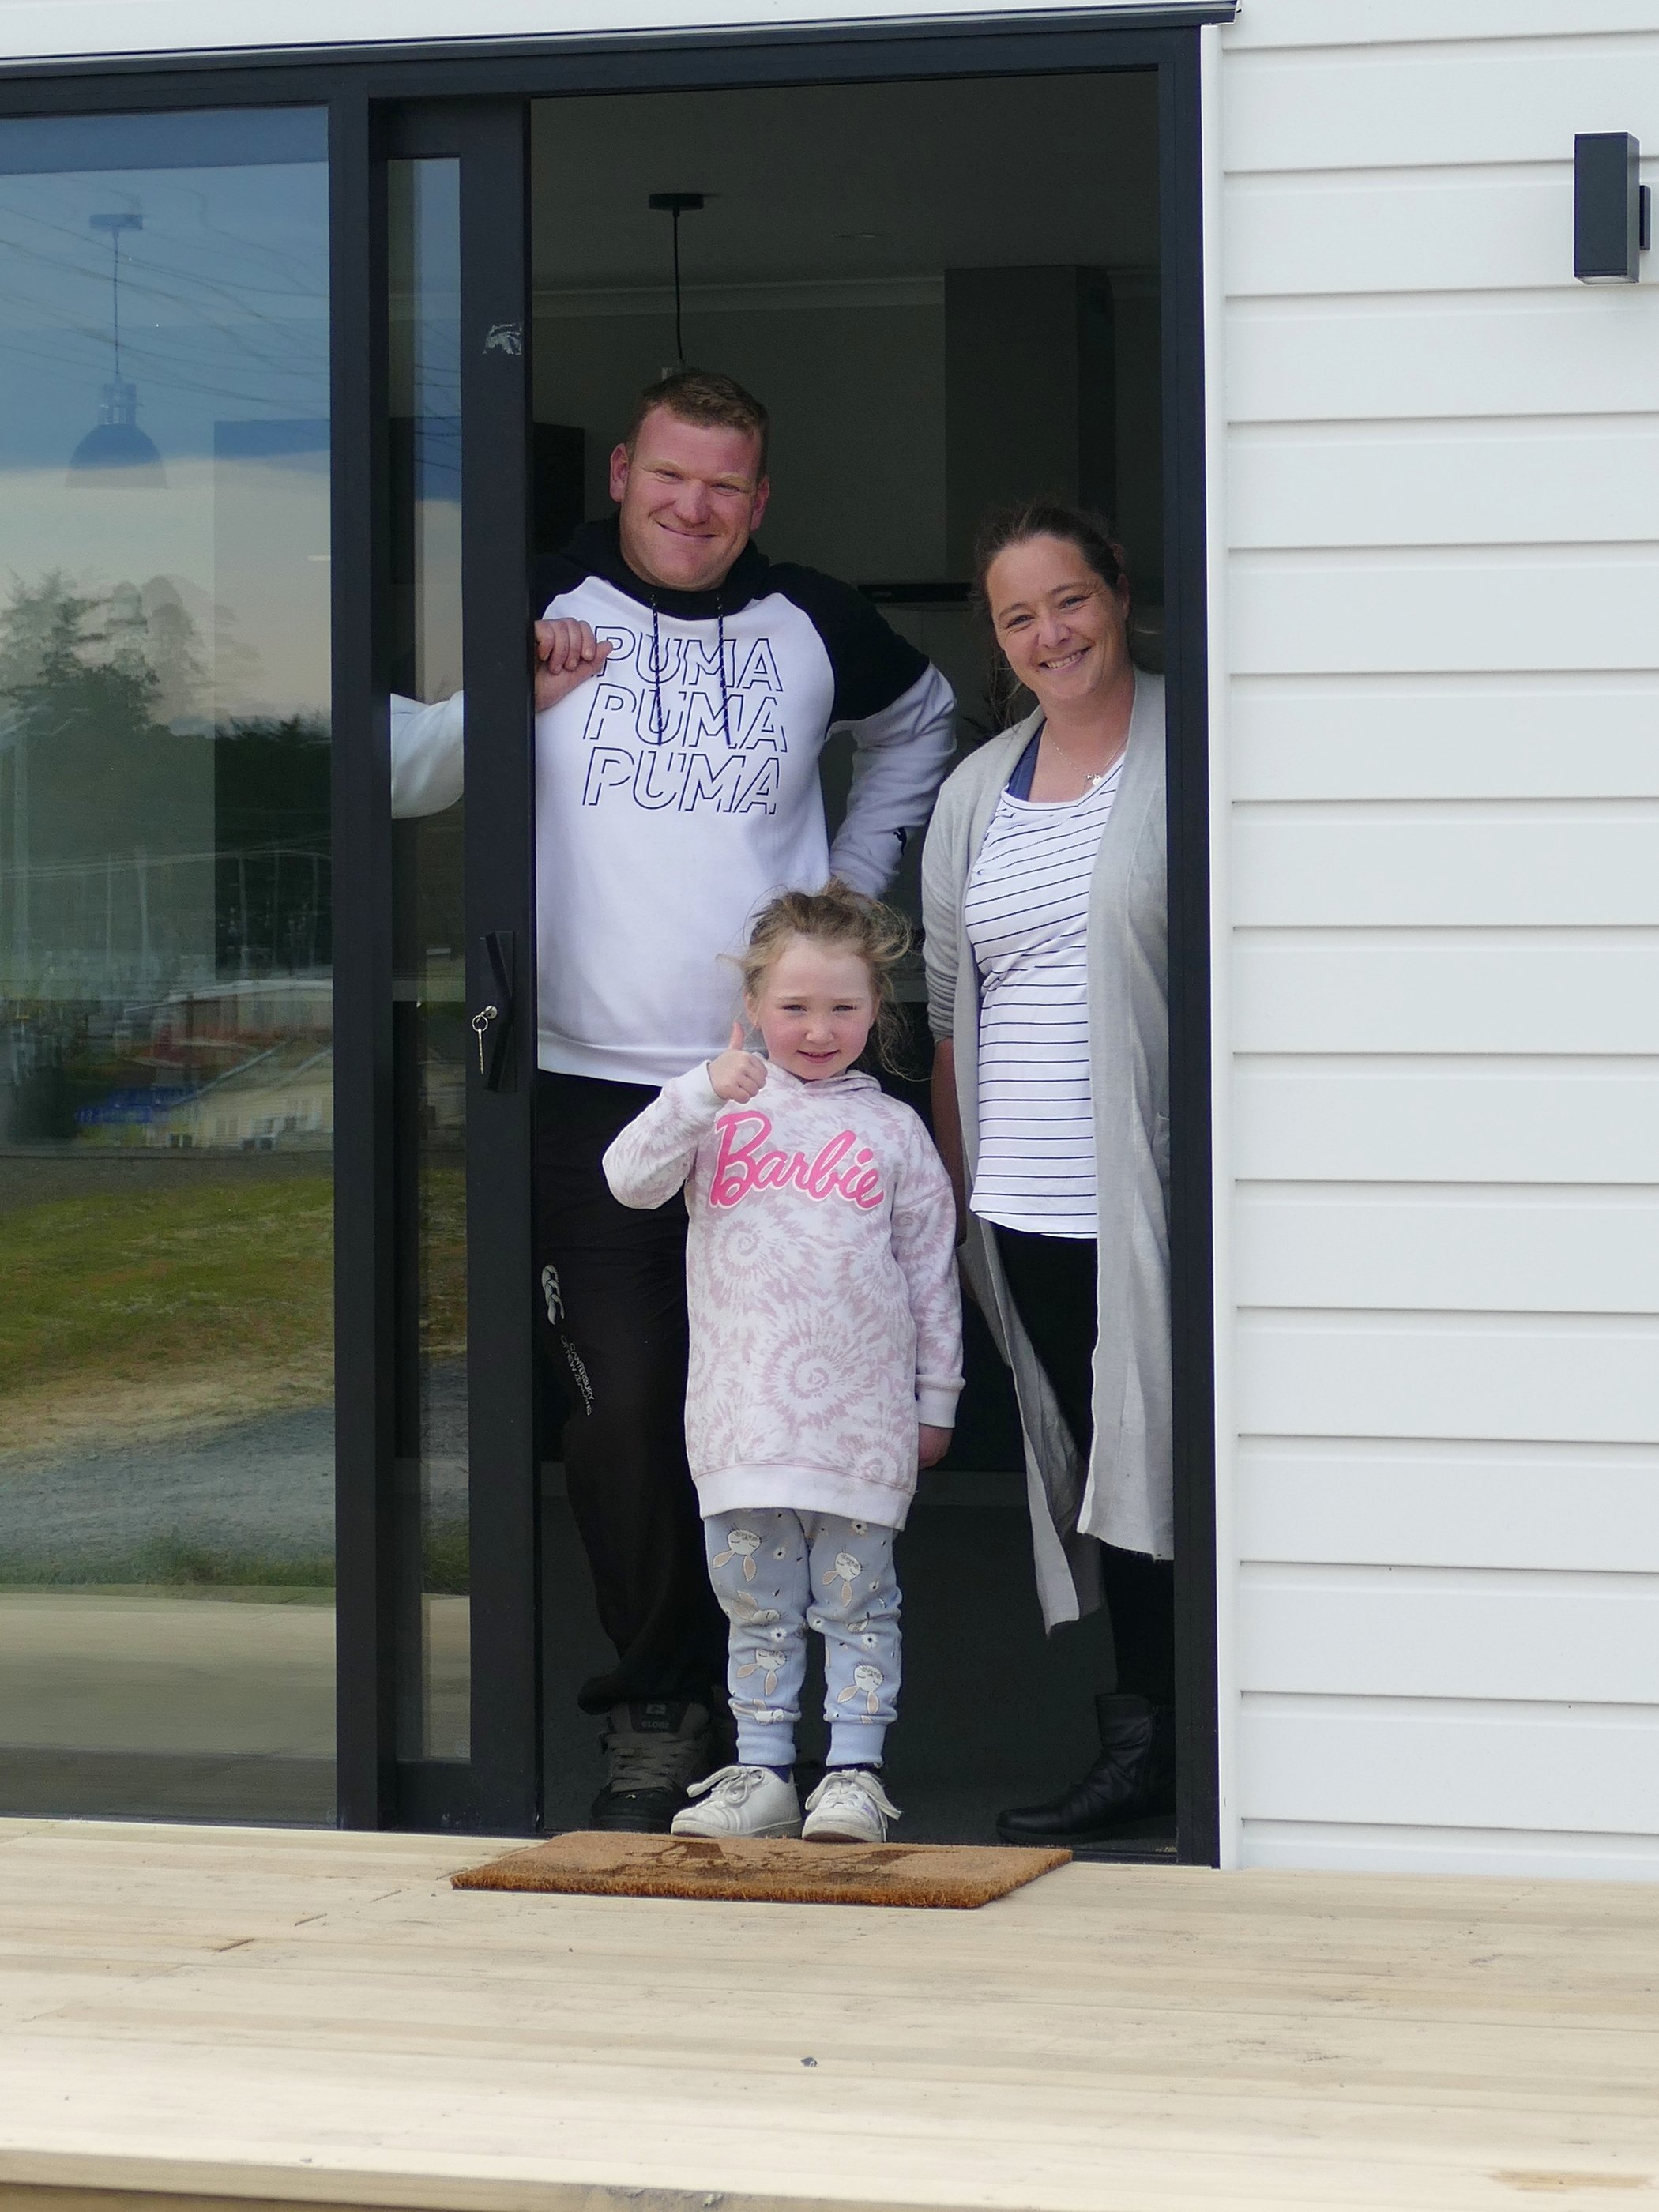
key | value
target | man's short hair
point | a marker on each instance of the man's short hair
(703, 395)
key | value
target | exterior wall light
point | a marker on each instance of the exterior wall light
(1610, 220)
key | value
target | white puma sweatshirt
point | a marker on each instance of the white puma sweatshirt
(678, 790)
(822, 1281)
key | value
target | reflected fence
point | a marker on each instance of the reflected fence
(120, 1027)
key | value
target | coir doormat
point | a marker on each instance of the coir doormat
(752, 1871)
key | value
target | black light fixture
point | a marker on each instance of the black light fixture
(676, 205)
(116, 454)
(1610, 207)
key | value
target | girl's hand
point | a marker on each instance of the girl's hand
(932, 1443)
(737, 1075)
(567, 655)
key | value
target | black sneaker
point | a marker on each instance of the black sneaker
(655, 1748)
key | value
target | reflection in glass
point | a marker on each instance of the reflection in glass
(166, 1095)
(430, 1035)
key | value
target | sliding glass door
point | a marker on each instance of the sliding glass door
(166, 941)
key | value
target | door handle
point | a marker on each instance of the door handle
(494, 1024)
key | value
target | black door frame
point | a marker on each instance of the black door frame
(493, 81)
(497, 1789)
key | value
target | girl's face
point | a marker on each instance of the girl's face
(814, 1008)
(1064, 629)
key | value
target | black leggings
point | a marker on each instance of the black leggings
(1052, 1282)
(613, 1295)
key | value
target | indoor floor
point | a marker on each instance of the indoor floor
(238, 2015)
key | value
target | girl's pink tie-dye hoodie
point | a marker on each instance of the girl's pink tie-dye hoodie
(821, 1277)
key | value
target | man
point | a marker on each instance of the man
(684, 688)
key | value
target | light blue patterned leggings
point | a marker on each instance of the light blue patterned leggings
(778, 1573)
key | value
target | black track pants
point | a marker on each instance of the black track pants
(613, 1289)
(1052, 1282)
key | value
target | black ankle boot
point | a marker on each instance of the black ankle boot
(1132, 1779)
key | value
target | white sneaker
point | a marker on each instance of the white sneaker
(849, 1806)
(741, 1801)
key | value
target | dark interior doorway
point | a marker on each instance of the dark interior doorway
(948, 293)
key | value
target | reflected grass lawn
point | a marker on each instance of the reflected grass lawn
(108, 1289)
(123, 1312)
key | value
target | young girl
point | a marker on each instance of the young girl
(826, 1350)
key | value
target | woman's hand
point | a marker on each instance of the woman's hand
(932, 1443)
(737, 1075)
(567, 655)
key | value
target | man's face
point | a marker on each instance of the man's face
(690, 494)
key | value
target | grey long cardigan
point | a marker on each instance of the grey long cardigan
(1123, 1497)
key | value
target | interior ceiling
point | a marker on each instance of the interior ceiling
(839, 182)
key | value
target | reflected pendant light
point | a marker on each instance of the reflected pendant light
(116, 454)
(676, 205)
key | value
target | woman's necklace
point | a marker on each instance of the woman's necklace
(1091, 776)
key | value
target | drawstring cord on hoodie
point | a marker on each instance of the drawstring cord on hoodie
(658, 722)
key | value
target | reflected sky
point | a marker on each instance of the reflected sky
(224, 296)
(224, 284)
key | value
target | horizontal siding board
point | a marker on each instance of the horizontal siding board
(1445, 992)
(1587, 735)
(1338, 24)
(1589, 351)
(1469, 231)
(1486, 1377)
(82, 27)
(1442, 503)
(1457, 867)
(1356, 1847)
(1572, 1509)
(1458, 1120)
(1399, 1250)
(1434, 1632)
(1441, 1763)
(1509, 608)
(1559, 480)
(1502, 99)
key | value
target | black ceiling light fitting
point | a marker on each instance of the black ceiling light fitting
(676, 205)
(116, 454)
(1610, 207)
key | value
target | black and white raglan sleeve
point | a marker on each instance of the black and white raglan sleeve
(902, 713)
(427, 749)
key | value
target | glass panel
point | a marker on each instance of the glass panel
(432, 1039)
(166, 1479)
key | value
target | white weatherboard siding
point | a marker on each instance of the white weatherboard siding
(1442, 751)
(34, 29)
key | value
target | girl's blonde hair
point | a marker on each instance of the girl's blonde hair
(841, 918)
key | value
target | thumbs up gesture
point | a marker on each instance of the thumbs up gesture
(737, 1075)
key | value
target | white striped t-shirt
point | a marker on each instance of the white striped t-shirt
(1027, 914)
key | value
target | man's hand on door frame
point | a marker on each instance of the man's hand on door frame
(567, 655)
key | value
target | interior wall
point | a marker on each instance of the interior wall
(843, 376)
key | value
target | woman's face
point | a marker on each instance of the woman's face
(1064, 629)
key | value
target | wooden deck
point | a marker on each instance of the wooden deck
(190, 2015)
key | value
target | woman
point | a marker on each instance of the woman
(1043, 890)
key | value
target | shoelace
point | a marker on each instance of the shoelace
(731, 1783)
(658, 723)
(844, 1789)
(650, 1762)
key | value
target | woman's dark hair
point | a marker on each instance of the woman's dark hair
(1091, 533)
